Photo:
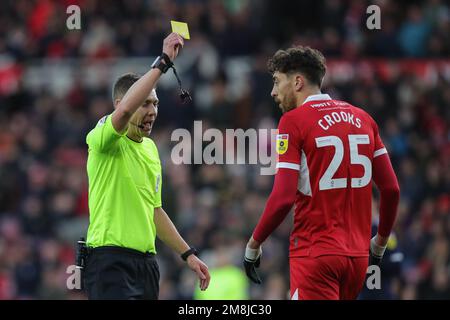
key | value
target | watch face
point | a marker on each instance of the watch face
(155, 63)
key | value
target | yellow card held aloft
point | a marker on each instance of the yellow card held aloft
(181, 28)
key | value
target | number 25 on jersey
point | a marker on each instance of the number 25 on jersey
(327, 182)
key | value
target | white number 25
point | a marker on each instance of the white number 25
(327, 182)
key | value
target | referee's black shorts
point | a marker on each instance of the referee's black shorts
(121, 273)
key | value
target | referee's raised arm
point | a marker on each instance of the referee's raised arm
(139, 91)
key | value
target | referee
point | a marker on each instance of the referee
(126, 214)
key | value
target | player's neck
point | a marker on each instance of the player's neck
(302, 96)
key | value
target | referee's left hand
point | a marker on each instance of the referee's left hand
(199, 267)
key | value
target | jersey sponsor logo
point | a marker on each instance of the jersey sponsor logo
(323, 104)
(102, 121)
(282, 143)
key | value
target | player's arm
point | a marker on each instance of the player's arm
(168, 233)
(140, 90)
(278, 205)
(386, 181)
(281, 198)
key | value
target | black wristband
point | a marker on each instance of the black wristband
(162, 62)
(186, 254)
(167, 60)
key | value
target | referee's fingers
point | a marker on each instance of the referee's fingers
(208, 276)
(203, 285)
(200, 273)
(202, 279)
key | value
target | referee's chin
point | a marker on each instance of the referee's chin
(146, 134)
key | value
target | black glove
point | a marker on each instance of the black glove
(250, 270)
(250, 264)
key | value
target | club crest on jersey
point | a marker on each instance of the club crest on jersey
(282, 143)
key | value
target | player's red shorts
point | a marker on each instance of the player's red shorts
(327, 277)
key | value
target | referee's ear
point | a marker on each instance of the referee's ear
(116, 103)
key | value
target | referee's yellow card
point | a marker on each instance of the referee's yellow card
(181, 28)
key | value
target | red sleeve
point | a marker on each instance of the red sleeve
(379, 148)
(279, 203)
(386, 181)
(288, 143)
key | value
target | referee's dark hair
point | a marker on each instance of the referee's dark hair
(305, 60)
(122, 84)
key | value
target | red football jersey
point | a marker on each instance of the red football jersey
(332, 144)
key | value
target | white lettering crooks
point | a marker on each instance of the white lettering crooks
(329, 120)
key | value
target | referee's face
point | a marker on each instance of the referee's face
(146, 115)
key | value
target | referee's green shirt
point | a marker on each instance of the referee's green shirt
(124, 188)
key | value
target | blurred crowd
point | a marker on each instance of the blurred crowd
(37, 29)
(43, 182)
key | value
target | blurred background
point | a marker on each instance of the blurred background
(55, 84)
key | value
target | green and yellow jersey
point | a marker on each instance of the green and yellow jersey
(124, 188)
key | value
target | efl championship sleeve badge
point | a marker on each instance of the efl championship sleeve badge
(102, 121)
(282, 143)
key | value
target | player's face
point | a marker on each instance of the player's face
(283, 91)
(146, 115)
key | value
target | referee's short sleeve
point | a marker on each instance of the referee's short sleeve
(103, 137)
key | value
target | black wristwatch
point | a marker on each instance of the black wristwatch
(162, 62)
(186, 254)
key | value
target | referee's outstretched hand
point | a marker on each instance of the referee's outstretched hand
(199, 267)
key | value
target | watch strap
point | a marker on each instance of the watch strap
(186, 254)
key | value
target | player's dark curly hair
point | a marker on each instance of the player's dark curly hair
(308, 61)
(122, 84)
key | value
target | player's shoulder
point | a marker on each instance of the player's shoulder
(291, 120)
(360, 112)
(363, 114)
(294, 114)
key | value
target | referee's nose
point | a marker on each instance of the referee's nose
(152, 113)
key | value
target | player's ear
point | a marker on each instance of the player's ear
(298, 82)
(116, 102)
